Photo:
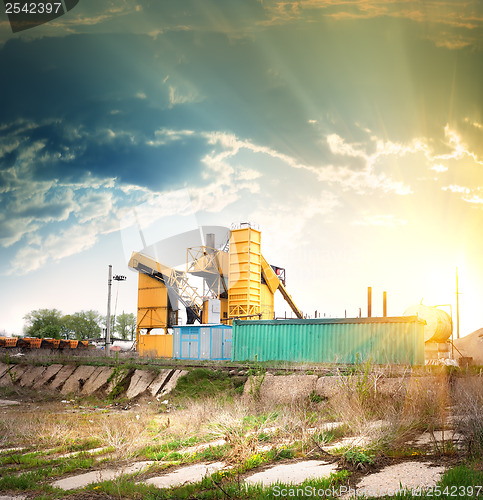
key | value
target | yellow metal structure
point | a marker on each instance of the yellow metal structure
(274, 284)
(241, 279)
(244, 275)
(211, 265)
(153, 311)
(155, 346)
(177, 281)
(267, 309)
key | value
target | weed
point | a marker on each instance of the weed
(359, 458)
(315, 398)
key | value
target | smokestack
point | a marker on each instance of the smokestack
(384, 304)
(210, 242)
(369, 301)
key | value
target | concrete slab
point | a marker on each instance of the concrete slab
(77, 380)
(348, 442)
(329, 426)
(328, 387)
(9, 450)
(18, 497)
(171, 384)
(437, 438)
(158, 383)
(3, 369)
(281, 389)
(6, 402)
(16, 371)
(203, 446)
(392, 479)
(295, 473)
(97, 380)
(31, 375)
(140, 381)
(190, 474)
(74, 482)
(88, 452)
(46, 376)
(62, 375)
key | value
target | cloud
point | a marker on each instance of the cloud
(464, 19)
(237, 175)
(381, 220)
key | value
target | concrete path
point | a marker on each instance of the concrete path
(190, 474)
(389, 481)
(9, 450)
(74, 482)
(437, 438)
(295, 473)
(348, 442)
(6, 402)
(203, 446)
(88, 452)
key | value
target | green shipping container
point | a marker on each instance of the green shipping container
(398, 340)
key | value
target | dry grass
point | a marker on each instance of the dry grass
(469, 417)
(385, 418)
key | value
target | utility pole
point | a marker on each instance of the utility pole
(108, 320)
(457, 307)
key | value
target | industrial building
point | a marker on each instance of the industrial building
(233, 317)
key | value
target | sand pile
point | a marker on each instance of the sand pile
(471, 346)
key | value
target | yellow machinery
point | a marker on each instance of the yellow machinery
(238, 284)
(245, 274)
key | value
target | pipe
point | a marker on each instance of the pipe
(384, 304)
(369, 301)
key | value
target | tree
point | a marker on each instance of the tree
(125, 326)
(44, 323)
(83, 325)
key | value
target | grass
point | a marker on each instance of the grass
(206, 406)
(202, 383)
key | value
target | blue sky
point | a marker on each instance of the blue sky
(350, 131)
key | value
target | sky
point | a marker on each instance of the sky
(350, 131)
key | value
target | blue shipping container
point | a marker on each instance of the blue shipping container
(202, 342)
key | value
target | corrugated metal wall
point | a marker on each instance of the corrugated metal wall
(202, 342)
(382, 340)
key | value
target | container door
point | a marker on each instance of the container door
(216, 343)
(226, 344)
(190, 343)
(205, 341)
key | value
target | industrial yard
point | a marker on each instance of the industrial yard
(239, 403)
(241, 250)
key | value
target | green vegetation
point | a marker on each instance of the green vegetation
(203, 383)
(51, 323)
